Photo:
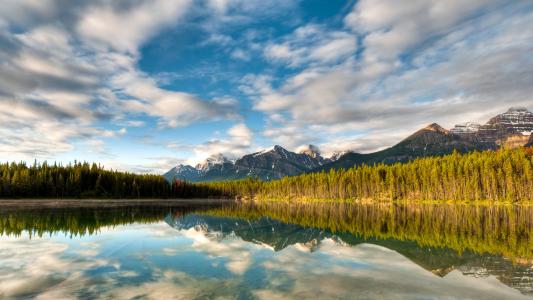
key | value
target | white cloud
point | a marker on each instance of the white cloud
(68, 67)
(173, 108)
(238, 142)
(420, 63)
(240, 54)
(126, 28)
(314, 45)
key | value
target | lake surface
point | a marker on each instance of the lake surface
(266, 251)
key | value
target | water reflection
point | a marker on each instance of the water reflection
(265, 252)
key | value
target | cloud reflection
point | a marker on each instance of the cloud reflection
(152, 262)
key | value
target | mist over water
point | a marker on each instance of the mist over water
(267, 251)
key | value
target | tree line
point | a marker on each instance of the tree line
(502, 175)
(84, 180)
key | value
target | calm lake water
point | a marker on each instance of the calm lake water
(267, 251)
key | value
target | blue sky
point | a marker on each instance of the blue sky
(144, 85)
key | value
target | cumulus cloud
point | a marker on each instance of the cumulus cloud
(67, 67)
(419, 63)
(173, 108)
(312, 45)
(124, 27)
(238, 142)
(70, 72)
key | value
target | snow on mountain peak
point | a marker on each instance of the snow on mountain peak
(518, 109)
(309, 150)
(338, 154)
(216, 159)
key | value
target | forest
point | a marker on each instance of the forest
(84, 180)
(504, 175)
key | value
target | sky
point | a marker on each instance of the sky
(143, 85)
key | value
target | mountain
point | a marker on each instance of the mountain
(338, 154)
(273, 163)
(215, 167)
(266, 231)
(182, 172)
(430, 141)
(278, 162)
(213, 162)
(517, 120)
(510, 129)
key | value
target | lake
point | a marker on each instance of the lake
(207, 250)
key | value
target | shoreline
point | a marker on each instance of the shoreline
(51, 203)
(103, 203)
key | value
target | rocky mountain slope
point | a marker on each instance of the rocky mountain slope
(510, 129)
(273, 163)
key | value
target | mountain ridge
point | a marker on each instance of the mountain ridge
(273, 163)
(512, 128)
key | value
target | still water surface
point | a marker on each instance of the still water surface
(267, 251)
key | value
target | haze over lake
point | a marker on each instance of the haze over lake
(266, 251)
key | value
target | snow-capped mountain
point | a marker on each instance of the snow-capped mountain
(182, 172)
(278, 162)
(510, 129)
(273, 163)
(313, 152)
(516, 121)
(338, 154)
(466, 128)
(212, 161)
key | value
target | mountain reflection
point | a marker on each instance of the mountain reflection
(478, 241)
(504, 230)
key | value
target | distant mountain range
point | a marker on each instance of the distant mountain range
(273, 163)
(511, 129)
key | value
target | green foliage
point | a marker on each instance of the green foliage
(503, 175)
(82, 180)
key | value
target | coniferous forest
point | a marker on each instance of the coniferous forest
(84, 180)
(503, 175)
